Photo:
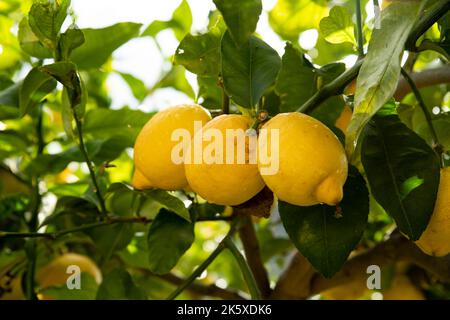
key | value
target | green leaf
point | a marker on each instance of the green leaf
(326, 235)
(209, 92)
(169, 237)
(248, 70)
(291, 17)
(241, 17)
(88, 290)
(30, 43)
(109, 239)
(180, 23)
(377, 79)
(46, 18)
(296, 82)
(393, 157)
(118, 285)
(101, 43)
(442, 127)
(169, 202)
(137, 86)
(70, 40)
(176, 79)
(200, 54)
(105, 123)
(338, 27)
(10, 96)
(35, 87)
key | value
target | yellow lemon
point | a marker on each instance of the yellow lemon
(312, 162)
(435, 240)
(55, 273)
(350, 291)
(155, 143)
(344, 119)
(403, 289)
(139, 181)
(223, 173)
(12, 288)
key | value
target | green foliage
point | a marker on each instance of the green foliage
(118, 285)
(338, 27)
(249, 70)
(403, 172)
(241, 17)
(326, 235)
(380, 71)
(168, 239)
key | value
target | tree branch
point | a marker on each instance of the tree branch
(253, 255)
(297, 282)
(422, 79)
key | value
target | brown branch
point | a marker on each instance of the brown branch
(298, 282)
(253, 255)
(422, 79)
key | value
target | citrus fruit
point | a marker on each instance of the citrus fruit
(402, 289)
(435, 240)
(344, 119)
(312, 162)
(213, 177)
(155, 143)
(11, 288)
(55, 273)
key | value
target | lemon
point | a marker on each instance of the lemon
(402, 289)
(14, 288)
(312, 161)
(344, 119)
(154, 145)
(139, 181)
(435, 240)
(55, 273)
(352, 290)
(220, 181)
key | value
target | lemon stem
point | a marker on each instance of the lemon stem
(359, 27)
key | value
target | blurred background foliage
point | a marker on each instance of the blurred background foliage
(110, 130)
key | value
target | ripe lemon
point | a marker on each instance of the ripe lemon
(55, 273)
(220, 182)
(344, 119)
(312, 161)
(350, 291)
(435, 240)
(13, 288)
(154, 144)
(403, 289)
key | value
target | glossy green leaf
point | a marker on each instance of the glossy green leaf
(118, 285)
(210, 93)
(35, 87)
(169, 237)
(296, 82)
(249, 70)
(104, 123)
(291, 17)
(175, 78)
(100, 44)
(200, 54)
(338, 27)
(241, 17)
(326, 235)
(180, 23)
(137, 86)
(46, 18)
(30, 43)
(377, 79)
(169, 202)
(68, 41)
(393, 156)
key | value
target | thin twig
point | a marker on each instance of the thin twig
(437, 146)
(253, 255)
(245, 269)
(83, 150)
(359, 30)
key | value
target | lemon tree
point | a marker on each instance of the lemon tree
(304, 161)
